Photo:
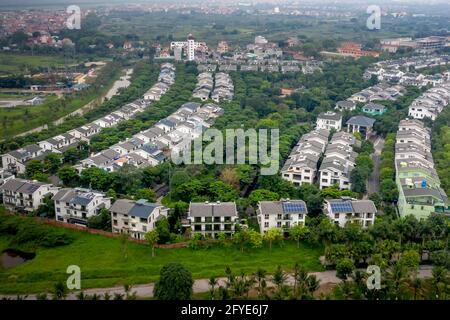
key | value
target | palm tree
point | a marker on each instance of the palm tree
(417, 285)
(397, 280)
(60, 291)
(261, 280)
(212, 283)
(279, 279)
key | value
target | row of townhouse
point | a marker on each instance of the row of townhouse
(301, 165)
(15, 161)
(431, 102)
(407, 78)
(218, 88)
(420, 193)
(416, 62)
(377, 93)
(150, 147)
(204, 86)
(166, 78)
(286, 213)
(223, 88)
(136, 218)
(338, 162)
(370, 108)
(391, 70)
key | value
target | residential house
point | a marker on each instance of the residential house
(76, 206)
(25, 195)
(348, 210)
(283, 214)
(212, 218)
(136, 218)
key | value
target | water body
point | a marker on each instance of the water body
(123, 82)
(11, 258)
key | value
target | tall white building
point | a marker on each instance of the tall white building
(190, 45)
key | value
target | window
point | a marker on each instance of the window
(198, 228)
(198, 219)
(300, 216)
(58, 209)
(279, 216)
(266, 224)
(278, 224)
(115, 222)
(266, 216)
(336, 215)
(126, 223)
(217, 219)
(142, 220)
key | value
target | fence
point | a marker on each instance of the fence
(105, 233)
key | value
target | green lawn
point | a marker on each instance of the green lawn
(23, 118)
(103, 265)
(19, 63)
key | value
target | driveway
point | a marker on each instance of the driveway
(373, 183)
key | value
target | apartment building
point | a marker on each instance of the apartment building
(212, 218)
(348, 210)
(76, 206)
(430, 103)
(136, 218)
(15, 161)
(25, 195)
(283, 214)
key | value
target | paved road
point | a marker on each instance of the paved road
(201, 285)
(373, 185)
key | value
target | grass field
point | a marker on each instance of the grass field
(20, 119)
(103, 265)
(11, 63)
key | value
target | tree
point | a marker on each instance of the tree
(262, 195)
(102, 221)
(260, 276)
(241, 238)
(212, 285)
(59, 291)
(33, 167)
(68, 175)
(175, 283)
(389, 191)
(123, 238)
(279, 279)
(358, 181)
(410, 259)
(52, 162)
(145, 193)
(344, 268)
(152, 238)
(256, 238)
(298, 233)
(273, 235)
(231, 177)
(163, 229)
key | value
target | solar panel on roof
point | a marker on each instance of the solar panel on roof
(294, 207)
(33, 188)
(339, 207)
